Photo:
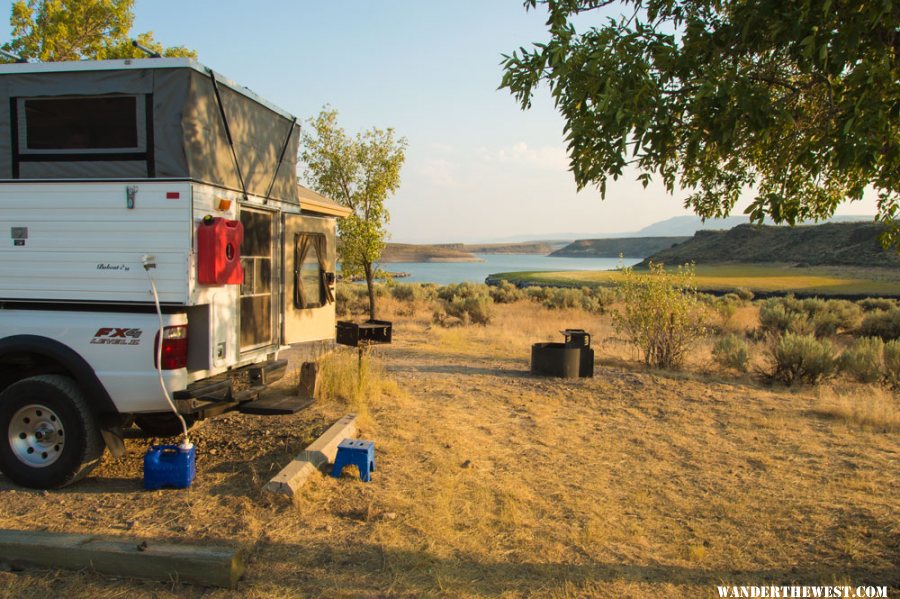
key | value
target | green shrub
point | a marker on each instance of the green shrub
(778, 316)
(475, 310)
(725, 308)
(892, 363)
(462, 290)
(863, 360)
(882, 323)
(870, 304)
(538, 294)
(801, 358)
(823, 318)
(836, 316)
(505, 293)
(744, 293)
(429, 291)
(407, 292)
(351, 298)
(731, 352)
(661, 314)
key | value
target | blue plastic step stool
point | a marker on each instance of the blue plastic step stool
(355, 452)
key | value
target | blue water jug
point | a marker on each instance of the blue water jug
(169, 466)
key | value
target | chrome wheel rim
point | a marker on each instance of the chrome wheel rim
(36, 436)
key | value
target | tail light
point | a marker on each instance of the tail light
(174, 347)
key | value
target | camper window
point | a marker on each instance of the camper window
(74, 125)
(309, 260)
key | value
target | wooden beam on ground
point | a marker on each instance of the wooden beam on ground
(322, 451)
(123, 557)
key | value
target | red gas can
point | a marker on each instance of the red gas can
(219, 251)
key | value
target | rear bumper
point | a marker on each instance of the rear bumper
(212, 396)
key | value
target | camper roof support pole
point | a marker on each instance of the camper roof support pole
(284, 147)
(237, 165)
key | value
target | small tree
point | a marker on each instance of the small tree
(57, 30)
(661, 314)
(359, 173)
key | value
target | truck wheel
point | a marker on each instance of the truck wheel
(52, 437)
(163, 424)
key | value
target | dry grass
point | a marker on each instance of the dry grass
(491, 482)
(861, 406)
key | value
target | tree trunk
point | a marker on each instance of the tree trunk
(370, 283)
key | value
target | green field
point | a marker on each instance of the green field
(757, 278)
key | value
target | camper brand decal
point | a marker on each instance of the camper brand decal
(122, 267)
(117, 336)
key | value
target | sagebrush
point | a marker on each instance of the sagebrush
(661, 315)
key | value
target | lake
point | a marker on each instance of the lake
(475, 272)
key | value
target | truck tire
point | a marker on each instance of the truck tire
(163, 424)
(52, 438)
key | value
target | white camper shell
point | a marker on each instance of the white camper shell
(113, 170)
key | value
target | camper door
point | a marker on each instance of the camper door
(310, 259)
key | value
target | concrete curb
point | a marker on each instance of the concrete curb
(322, 451)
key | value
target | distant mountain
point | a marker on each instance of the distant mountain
(690, 224)
(848, 243)
(628, 247)
(678, 226)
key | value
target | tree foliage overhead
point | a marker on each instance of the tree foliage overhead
(58, 30)
(799, 101)
(360, 173)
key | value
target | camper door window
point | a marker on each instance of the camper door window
(309, 256)
(81, 125)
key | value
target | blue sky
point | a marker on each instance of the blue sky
(477, 168)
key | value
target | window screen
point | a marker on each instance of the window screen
(83, 123)
(309, 285)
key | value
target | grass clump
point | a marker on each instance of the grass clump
(356, 383)
(662, 315)
(731, 352)
(801, 358)
(863, 361)
(872, 408)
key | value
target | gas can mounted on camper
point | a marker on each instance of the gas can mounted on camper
(219, 251)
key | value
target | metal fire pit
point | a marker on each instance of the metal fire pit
(356, 334)
(572, 359)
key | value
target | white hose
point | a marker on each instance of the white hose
(148, 264)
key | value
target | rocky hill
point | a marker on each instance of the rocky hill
(629, 247)
(849, 244)
(407, 252)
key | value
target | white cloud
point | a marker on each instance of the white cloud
(438, 172)
(552, 158)
(442, 147)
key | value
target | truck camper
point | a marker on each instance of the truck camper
(160, 254)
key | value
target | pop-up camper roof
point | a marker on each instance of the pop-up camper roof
(136, 119)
